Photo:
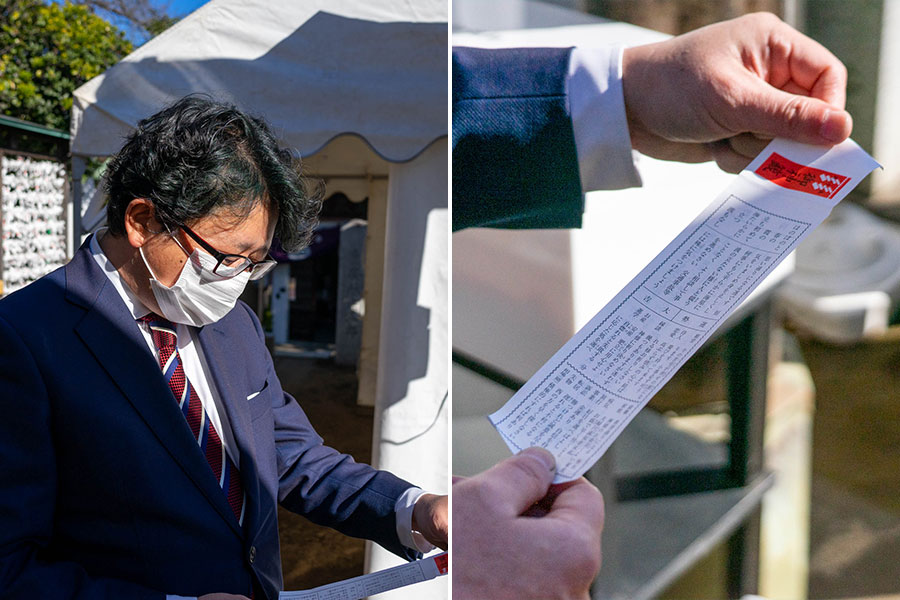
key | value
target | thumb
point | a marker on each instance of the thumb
(518, 482)
(771, 112)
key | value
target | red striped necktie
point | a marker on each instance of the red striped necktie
(208, 440)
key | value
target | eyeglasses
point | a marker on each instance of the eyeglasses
(229, 265)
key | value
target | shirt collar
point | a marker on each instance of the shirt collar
(137, 308)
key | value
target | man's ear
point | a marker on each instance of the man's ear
(140, 222)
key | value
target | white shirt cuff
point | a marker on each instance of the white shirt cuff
(173, 597)
(404, 511)
(597, 104)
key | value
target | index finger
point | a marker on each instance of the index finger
(581, 503)
(543, 506)
(800, 60)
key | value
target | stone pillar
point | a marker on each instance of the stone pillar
(351, 282)
(281, 277)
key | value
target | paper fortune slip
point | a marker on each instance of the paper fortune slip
(579, 402)
(376, 583)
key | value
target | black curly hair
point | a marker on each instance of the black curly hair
(199, 156)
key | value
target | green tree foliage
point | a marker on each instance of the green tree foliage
(143, 19)
(46, 51)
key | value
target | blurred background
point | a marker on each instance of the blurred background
(76, 77)
(796, 397)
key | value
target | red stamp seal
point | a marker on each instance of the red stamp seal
(794, 176)
(441, 561)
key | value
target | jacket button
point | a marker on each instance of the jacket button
(251, 556)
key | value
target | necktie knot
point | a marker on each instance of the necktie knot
(162, 331)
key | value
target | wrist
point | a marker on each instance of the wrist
(421, 512)
(429, 519)
(634, 61)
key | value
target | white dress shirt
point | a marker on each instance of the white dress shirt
(599, 123)
(197, 372)
(192, 360)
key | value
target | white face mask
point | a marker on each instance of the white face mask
(198, 297)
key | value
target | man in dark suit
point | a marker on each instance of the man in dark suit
(535, 128)
(145, 438)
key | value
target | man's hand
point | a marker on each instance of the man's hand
(723, 91)
(499, 553)
(430, 519)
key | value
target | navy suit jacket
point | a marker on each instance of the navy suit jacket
(103, 491)
(514, 159)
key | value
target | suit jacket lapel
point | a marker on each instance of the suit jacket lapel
(232, 386)
(112, 336)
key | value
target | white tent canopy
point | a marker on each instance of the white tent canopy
(360, 89)
(314, 69)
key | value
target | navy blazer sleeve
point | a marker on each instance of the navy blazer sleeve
(324, 485)
(514, 158)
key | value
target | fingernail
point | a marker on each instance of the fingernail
(834, 127)
(541, 455)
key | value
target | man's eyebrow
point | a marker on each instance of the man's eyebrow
(249, 248)
(263, 250)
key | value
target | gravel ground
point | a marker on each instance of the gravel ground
(312, 555)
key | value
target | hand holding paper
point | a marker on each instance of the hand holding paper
(580, 401)
(559, 550)
(723, 91)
